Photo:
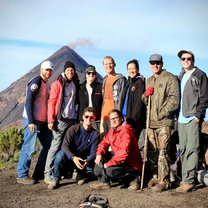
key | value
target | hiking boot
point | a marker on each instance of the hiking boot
(134, 185)
(47, 180)
(100, 185)
(160, 186)
(53, 184)
(75, 175)
(153, 182)
(81, 181)
(26, 181)
(185, 187)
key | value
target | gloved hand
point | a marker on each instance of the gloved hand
(149, 91)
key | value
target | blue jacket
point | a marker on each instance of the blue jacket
(36, 100)
(81, 143)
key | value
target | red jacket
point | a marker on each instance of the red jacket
(54, 99)
(124, 146)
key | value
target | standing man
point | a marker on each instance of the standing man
(78, 150)
(113, 85)
(194, 101)
(62, 111)
(133, 109)
(123, 159)
(35, 125)
(163, 88)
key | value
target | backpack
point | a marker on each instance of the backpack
(94, 200)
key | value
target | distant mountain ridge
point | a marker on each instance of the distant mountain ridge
(12, 98)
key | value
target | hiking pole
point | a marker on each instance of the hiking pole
(145, 142)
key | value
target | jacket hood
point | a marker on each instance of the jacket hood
(62, 78)
(123, 126)
(119, 76)
(138, 76)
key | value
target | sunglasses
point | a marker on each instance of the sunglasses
(155, 62)
(90, 117)
(188, 59)
(48, 69)
(93, 73)
(115, 118)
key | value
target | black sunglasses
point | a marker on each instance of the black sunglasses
(93, 73)
(188, 59)
(90, 117)
(155, 62)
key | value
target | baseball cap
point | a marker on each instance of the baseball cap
(180, 53)
(47, 65)
(90, 68)
(156, 57)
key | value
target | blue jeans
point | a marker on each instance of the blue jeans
(62, 164)
(28, 148)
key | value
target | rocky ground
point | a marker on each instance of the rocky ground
(13, 195)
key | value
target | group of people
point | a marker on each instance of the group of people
(91, 130)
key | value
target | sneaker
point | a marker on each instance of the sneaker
(185, 187)
(53, 184)
(152, 182)
(160, 186)
(100, 185)
(134, 185)
(26, 181)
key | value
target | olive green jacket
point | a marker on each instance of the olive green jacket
(165, 100)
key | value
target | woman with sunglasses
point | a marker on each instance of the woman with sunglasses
(90, 95)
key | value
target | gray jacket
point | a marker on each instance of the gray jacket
(117, 89)
(195, 95)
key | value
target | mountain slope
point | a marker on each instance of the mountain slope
(12, 98)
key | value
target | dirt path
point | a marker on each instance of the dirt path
(13, 195)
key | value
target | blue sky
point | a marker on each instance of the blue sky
(33, 30)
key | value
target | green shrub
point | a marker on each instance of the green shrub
(10, 144)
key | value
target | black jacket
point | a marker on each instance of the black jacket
(136, 110)
(96, 97)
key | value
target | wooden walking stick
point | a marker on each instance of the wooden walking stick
(145, 142)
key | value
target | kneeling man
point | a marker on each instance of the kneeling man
(78, 149)
(125, 158)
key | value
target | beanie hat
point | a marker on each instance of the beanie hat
(69, 64)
